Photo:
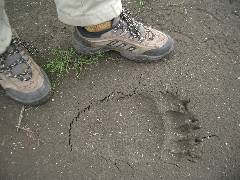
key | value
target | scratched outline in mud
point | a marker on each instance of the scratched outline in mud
(183, 137)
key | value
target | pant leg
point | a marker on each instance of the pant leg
(87, 12)
(5, 29)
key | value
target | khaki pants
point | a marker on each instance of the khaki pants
(71, 12)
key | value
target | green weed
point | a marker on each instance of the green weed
(140, 2)
(64, 60)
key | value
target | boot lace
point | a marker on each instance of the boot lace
(128, 25)
(15, 46)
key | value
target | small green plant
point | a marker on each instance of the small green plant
(81, 61)
(64, 60)
(140, 2)
(60, 62)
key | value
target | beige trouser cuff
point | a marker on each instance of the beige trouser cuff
(87, 12)
(5, 29)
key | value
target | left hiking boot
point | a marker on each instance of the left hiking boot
(22, 79)
(132, 39)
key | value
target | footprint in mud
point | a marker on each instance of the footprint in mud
(137, 127)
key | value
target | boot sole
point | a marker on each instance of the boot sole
(86, 50)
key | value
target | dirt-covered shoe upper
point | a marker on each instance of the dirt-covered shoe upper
(21, 77)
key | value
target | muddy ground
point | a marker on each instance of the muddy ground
(120, 119)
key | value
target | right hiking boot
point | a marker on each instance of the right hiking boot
(23, 80)
(127, 36)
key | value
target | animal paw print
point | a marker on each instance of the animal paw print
(138, 127)
(182, 134)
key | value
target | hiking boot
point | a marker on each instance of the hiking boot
(23, 80)
(127, 36)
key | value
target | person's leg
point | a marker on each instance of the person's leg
(87, 12)
(101, 25)
(23, 80)
(5, 29)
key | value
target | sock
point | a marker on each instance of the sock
(99, 27)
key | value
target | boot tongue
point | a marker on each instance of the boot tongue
(139, 26)
(141, 29)
(115, 21)
(19, 68)
(12, 59)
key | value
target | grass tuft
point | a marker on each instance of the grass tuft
(140, 2)
(64, 60)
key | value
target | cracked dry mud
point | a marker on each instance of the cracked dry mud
(137, 127)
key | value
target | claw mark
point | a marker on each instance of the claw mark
(129, 165)
(172, 164)
(115, 164)
(209, 137)
(182, 132)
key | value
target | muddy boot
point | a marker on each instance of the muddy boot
(132, 39)
(23, 80)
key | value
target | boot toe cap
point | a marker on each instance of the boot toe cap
(163, 50)
(37, 97)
